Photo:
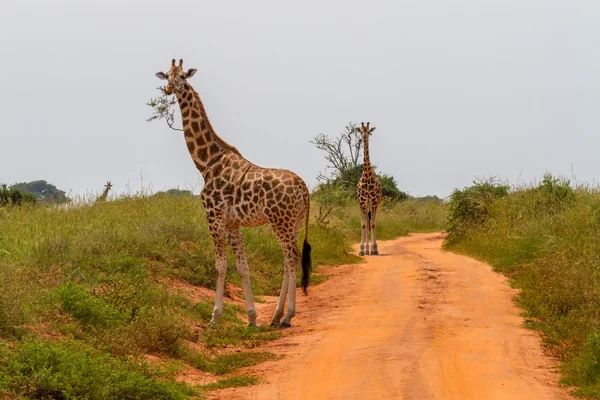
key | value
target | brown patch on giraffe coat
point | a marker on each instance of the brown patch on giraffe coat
(185, 113)
(195, 126)
(228, 189)
(190, 146)
(200, 141)
(188, 132)
(203, 125)
(202, 154)
(195, 114)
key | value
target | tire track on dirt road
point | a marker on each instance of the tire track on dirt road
(413, 323)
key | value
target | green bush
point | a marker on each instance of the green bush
(87, 309)
(470, 206)
(70, 370)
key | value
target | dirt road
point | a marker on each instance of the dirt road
(413, 323)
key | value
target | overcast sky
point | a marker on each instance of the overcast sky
(456, 89)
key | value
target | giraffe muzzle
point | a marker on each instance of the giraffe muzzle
(169, 89)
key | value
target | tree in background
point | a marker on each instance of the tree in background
(342, 152)
(43, 191)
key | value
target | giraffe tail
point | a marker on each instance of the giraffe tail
(306, 249)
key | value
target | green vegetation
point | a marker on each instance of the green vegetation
(546, 238)
(14, 197)
(69, 370)
(90, 285)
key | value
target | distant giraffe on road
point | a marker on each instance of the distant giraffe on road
(370, 195)
(238, 193)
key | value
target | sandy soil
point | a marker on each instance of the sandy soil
(413, 323)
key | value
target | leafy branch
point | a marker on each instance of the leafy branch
(163, 107)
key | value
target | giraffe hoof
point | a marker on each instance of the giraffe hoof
(275, 324)
(285, 325)
(375, 253)
(252, 324)
(361, 253)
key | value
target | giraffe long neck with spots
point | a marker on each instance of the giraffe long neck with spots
(104, 194)
(204, 145)
(368, 170)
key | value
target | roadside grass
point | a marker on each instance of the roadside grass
(546, 238)
(83, 283)
(234, 381)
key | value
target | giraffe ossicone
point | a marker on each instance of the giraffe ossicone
(370, 194)
(239, 193)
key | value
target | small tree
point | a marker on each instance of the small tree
(342, 152)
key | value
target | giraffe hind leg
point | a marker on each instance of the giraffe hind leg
(276, 320)
(292, 261)
(287, 235)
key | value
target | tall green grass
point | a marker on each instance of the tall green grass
(83, 283)
(546, 238)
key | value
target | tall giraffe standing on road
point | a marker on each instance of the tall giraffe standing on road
(238, 193)
(370, 195)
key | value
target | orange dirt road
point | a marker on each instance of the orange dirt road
(414, 322)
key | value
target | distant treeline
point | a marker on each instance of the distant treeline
(31, 192)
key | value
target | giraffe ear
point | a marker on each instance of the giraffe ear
(190, 73)
(161, 75)
(372, 129)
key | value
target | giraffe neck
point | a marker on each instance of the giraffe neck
(104, 194)
(204, 145)
(367, 162)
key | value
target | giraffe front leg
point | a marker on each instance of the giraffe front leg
(374, 251)
(218, 235)
(236, 239)
(364, 244)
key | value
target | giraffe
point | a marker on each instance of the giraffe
(104, 194)
(369, 192)
(239, 193)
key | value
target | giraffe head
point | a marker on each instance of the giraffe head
(176, 77)
(108, 186)
(365, 130)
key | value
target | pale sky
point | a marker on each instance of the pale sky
(456, 89)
